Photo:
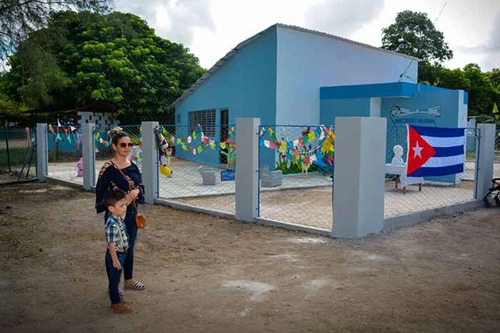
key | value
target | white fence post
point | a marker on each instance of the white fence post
(247, 156)
(359, 184)
(485, 156)
(150, 162)
(42, 152)
(88, 156)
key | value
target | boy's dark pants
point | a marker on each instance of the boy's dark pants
(114, 275)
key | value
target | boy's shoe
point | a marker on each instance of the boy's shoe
(121, 308)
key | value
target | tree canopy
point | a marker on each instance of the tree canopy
(85, 57)
(414, 34)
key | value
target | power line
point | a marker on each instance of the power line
(411, 62)
(446, 2)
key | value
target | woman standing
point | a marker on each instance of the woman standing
(121, 173)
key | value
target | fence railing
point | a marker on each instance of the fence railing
(407, 195)
(294, 175)
(197, 165)
(65, 146)
(17, 151)
(296, 165)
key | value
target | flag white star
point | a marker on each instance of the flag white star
(417, 151)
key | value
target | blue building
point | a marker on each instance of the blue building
(288, 75)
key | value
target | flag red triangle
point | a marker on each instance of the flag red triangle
(419, 151)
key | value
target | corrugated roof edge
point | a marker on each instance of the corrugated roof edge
(221, 61)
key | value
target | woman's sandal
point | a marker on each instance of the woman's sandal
(136, 286)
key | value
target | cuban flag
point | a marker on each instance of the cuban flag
(434, 151)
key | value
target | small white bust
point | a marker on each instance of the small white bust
(398, 153)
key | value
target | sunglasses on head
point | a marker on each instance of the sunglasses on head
(125, 144)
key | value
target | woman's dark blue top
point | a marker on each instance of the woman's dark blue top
(110, 177)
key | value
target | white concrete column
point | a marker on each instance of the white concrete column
(359, 184)
(42, 152)
(88, 155)
(485, 156)
(375, 107)
(247, 156)
(150, 161)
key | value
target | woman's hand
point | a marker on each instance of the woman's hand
(132, 195)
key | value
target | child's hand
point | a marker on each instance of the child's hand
(117, 265)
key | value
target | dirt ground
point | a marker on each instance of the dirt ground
(206, 274)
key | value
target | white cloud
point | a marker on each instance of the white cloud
(211, 28)
(342, 18)
(176, 20)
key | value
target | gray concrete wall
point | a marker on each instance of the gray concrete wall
(150, 161)
(42, 152)
(359, 187)
(89, 180)
(247, 156)
(485, 156)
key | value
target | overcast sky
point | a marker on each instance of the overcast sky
(211, 28)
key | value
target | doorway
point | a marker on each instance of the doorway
(224, 129)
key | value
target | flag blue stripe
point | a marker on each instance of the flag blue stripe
(442, 171)
(448, 151)
(439, 131)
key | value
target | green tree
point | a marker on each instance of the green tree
(19, 18)
(114, 59)
(494, 76)
(8, 108)
(414, 34)
(482, 93)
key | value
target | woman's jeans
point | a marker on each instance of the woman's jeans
(128, 267)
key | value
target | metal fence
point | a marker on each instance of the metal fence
(65, 152)
(18, 151)
(496, 165)
(406, 195)
(296, 166)
(197, 165)
(104, 149)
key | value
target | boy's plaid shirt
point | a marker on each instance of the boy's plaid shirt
(113, 227)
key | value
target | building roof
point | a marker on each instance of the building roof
(221, 61)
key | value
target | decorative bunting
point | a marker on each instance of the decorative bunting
(290, 148)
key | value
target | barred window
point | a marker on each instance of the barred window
(205, 118)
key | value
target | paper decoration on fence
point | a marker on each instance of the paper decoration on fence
(289, 149)
(98, 138)
(164, 153)
(197, 134)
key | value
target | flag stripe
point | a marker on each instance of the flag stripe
(432, 172)
(437, 162)
(438, 142)
(448, 151)
(440, 132)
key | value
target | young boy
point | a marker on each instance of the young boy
(117, 241)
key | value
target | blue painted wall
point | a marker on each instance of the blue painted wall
(331, 108)
(393, 89)
(245, 85)
(355, 101)
(396, 126)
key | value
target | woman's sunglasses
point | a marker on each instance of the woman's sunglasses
(125, 144)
